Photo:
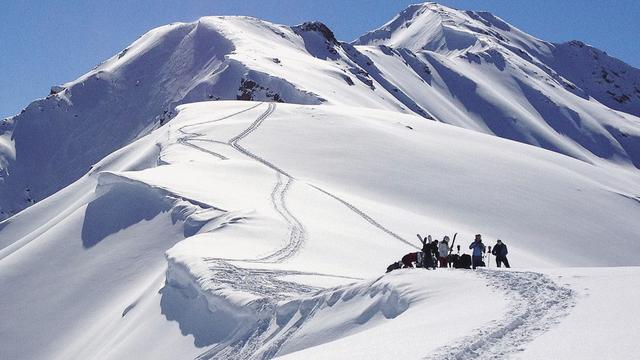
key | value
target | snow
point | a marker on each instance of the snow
(237, 261)
(157, 223)
(477, 72)
(425, 315)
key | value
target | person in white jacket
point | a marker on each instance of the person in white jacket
(443, 252)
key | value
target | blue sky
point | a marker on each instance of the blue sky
(47, 42)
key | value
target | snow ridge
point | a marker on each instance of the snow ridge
(279, 193)
(285, 307)
(539, 303)
(255, 293)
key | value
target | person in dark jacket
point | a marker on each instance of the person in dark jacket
(409, 259)
(500, 251)
(478, 250)
(426, 252)
(433, 254)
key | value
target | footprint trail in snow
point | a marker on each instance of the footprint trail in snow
(538, 303)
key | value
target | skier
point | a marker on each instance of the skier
(478, 249)
(427, 250)
(443, 252)
(500, 251)
(433, 253)
(409, 259)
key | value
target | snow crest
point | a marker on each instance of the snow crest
(262, 311)
(539, 303)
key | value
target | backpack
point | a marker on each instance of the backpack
(464, 262)
(395, 266)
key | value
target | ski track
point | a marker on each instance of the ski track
(266, 284)
(538, 303)
(186, 142)
(366, 217)
(262, 282)
(266, 338)
(278, 196)
(235, 141)
(297, 232)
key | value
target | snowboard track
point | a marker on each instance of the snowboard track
(538, 304)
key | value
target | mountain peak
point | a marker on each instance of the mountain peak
(434, 27)
(427, 26)
(319, 27)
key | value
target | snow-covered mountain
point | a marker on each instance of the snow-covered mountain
(462, 68)
(160, 222)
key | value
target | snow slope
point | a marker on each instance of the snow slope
(260, 230)
(142, 216)
(467, 69)
(481, 36)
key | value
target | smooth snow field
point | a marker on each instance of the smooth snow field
(263, 230)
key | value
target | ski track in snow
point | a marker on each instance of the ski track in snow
(265, 339)
(279, 193)
(298, 232)
(188, 143)
(264, 283)
(280, 190)
(366, 217)
(538, 303)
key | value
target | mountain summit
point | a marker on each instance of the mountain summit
(444, 30)
(464, 68)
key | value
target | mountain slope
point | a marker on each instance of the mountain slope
(146, 218)
(436, 28)
(258, 232)
(462, 68)
(517, 86)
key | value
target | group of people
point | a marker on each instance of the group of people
(499, 251)
(434, 251)
(440, 253)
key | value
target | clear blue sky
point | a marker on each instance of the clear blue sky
(47, 42)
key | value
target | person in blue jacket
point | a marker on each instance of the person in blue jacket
(478, 250)
(500, 251)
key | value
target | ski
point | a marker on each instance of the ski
(452, 242)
